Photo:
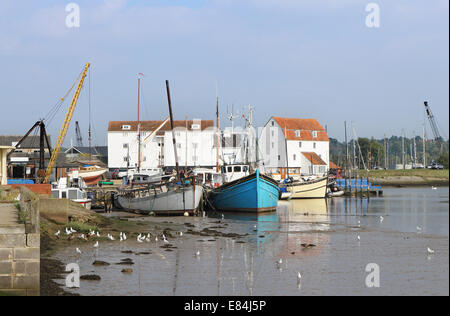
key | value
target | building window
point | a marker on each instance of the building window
(273, 145)
(297, 133)
(273, 123)
(273, 133)
(300, 144)
(314, 145)
(125, 145)
(295, 157)
(314, 134)
(125, 134)
(279, 157)
(179, 145)
(126, 127)
(125, 159)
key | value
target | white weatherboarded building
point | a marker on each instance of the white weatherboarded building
(307, 151)
(195, 145)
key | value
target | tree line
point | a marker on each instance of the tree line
(389, 152)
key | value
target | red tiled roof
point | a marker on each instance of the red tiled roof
(304, 126)
(334, 166)
(314, 158)
(116, 126)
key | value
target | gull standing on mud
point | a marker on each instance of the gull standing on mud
(96, 244)
(78, 250)
(430, 251)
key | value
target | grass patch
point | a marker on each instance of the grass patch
(422, 173)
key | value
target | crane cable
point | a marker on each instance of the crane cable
(54, 110)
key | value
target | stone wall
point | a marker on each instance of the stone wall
(20, 249)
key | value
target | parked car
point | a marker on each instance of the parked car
(435, 165)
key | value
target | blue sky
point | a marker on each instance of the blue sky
(309, 59)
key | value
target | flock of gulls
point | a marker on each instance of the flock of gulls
(141, 238)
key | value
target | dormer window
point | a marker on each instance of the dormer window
(126, 127)
(195, 126)
(314, 134)
(297, 133)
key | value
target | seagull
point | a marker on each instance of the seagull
(111, 237)
(223, 216)
(280, 261)
(197, 253)
(139, 238)
(78, 251)
(181, 233)
(124, 236)
(359, 238)
(121, 238)
(96, 244)
(57, 233)
(430, 251)
(419, 229)
(81, 236)
(98, 234)
(72, 230)
(68, 232)
(299, 277)
(433, 188)
(156, 238)
(381, 219)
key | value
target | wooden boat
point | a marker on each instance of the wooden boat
(312, 189)
(90, 175)
(161, 199)
(253, 193)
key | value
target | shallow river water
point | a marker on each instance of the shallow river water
(248, 265)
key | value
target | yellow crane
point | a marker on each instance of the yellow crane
(65, 125)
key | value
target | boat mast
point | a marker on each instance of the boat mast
(139, 126)
(218, 135)
(423, 146)
(287, 157)
(171, 126)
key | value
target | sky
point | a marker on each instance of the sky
(289, 58)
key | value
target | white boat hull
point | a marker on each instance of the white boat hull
(164, 203)
(316, 189)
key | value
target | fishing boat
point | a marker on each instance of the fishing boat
(61, 190)
(309, 189)
(253, 193)
(161, 199)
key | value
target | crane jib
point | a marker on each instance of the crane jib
(65, 125)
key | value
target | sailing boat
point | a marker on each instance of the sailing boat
(245, 191)
(174, 197)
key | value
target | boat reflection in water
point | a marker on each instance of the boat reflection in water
(305, 222)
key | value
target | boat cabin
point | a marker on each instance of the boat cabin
(234, 172)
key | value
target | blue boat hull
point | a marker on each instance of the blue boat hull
(254, 193)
